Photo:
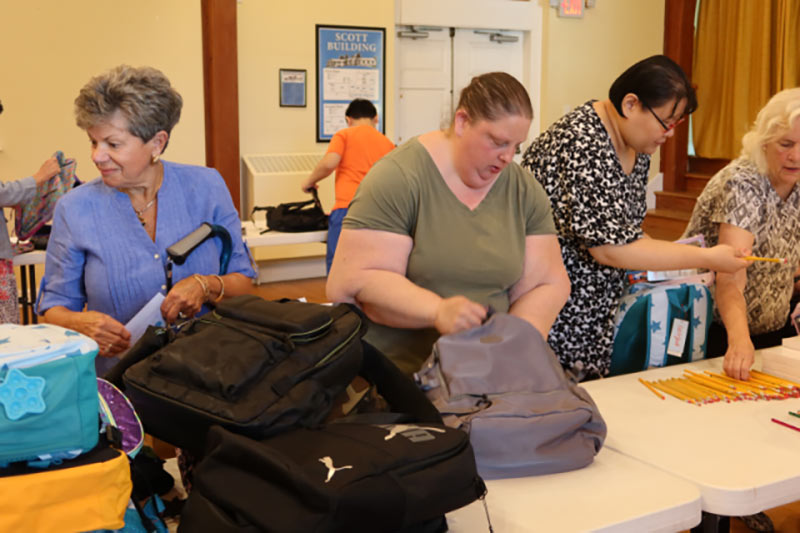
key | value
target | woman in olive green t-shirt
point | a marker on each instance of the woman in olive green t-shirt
(446, 225)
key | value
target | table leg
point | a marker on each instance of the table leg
(32, 294)
(713, 523)
(23, 297)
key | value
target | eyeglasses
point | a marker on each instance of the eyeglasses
(663, 124)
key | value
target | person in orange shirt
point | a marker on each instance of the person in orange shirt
(352, 152)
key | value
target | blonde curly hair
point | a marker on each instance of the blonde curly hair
(776, 118)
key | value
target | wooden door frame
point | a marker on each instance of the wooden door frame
(679, 46)
(221, 88)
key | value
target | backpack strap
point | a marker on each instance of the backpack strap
(399, 390)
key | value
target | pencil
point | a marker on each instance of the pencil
(718, 392)
(709, 394)
(684, 387)
(794, 414)
(780, 381)
(672, 392)
(781, 260)
(785, 424)
(711, 384)
(752, 383)
(646, 384)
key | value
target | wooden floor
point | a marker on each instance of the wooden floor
(786, 518)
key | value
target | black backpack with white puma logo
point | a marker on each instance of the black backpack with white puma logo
(378, 472)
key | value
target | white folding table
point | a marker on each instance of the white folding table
(613, 494)
(740, 460)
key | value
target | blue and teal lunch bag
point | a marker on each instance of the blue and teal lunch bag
(48, 394)
(646, 317)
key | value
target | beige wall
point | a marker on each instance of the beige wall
(582, 57)
(50, 49)
(273, 37)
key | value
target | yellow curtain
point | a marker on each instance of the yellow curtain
(745, 51)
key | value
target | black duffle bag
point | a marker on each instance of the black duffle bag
(295, 217)
(397, 471)
(253, 366)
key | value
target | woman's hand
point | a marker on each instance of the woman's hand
(458, 314)
(739, 358)
(48, 169)
(186, 297)
(726, 258)
(111, 336)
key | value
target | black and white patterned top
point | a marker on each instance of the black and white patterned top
(594, 203)
(739, 195)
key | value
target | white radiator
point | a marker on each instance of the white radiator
(271, 179)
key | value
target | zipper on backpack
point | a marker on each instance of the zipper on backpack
(301, 337)
(338, 348)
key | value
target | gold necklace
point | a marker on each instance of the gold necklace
(140, 212)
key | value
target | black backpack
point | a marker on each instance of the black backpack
(296, 216)
(253, 366)
(376, 472)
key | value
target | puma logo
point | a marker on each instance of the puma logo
(328, 462)
(397, 429)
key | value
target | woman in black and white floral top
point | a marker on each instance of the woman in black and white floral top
(594, 164)
(754, 202)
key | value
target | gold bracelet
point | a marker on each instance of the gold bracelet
(221, 288)
(204, 285)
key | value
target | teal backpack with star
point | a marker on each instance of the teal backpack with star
(48, 394)
(660, 324)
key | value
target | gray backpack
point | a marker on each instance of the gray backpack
(502, 384)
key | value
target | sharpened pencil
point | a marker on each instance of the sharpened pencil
(752, 384)
(646, 384)
(719, 392)
(783, 382)
(668, 390)
(794, 414)
(687, 389)
(781, 260)
(781, 422)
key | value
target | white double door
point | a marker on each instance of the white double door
(433, 69)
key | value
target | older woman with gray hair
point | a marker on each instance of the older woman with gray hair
(754, 203)
(106, 256)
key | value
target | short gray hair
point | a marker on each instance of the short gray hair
(774, 120)
(143, 95)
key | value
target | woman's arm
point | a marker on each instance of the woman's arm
(63, 296)
(653, 254)
(733, 307)
(544, 287)
(369, 269)
(110, 335)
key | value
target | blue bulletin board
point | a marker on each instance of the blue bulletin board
(350, 64)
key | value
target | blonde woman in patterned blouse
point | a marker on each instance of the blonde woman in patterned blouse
(754, 202)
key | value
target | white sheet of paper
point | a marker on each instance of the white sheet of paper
(149, 315)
